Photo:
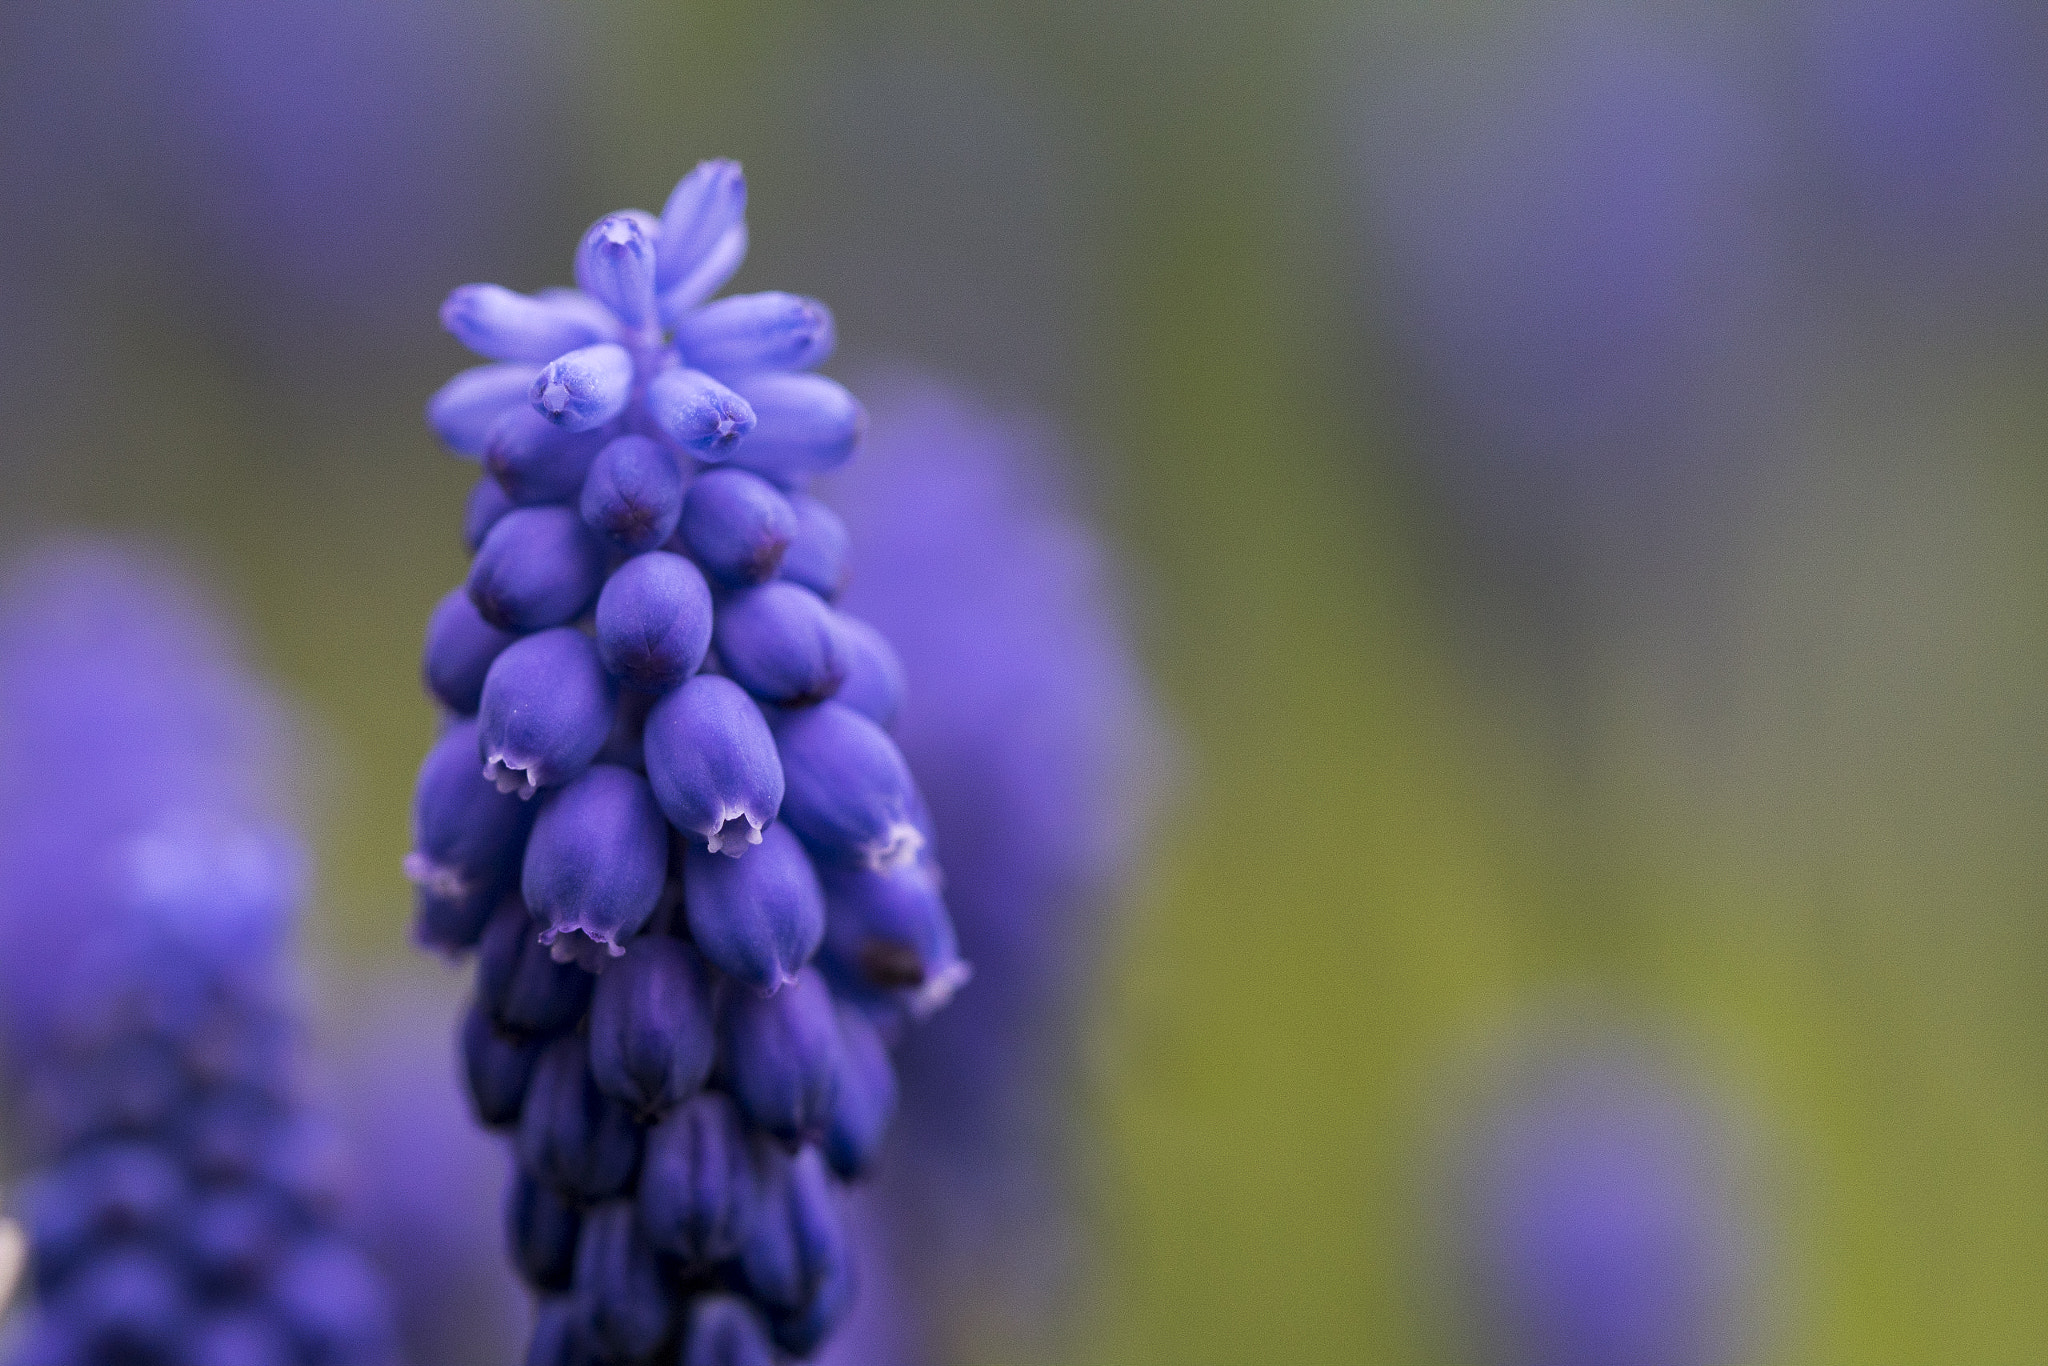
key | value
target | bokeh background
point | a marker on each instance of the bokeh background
(1576, 472)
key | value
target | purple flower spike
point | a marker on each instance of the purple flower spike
(850, 795)
(654, 621)
(633, 495)
(781, 1057)
(597, 858)
(463, 411)
(737, 526)
(539, 567)
(752, 332)
(496, 322)
(806, 425)
(652, 1037)
(615, 264)
(695, 1188)
(780, 643)
(698, 413)
(712, 762)
(584, 389)
(545, 712)
(760, 918)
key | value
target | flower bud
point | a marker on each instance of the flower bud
(572, 1135)
(781, 1056)
(615, 263)
(597, 858)
(865, 1101)
(496, 1069)
(757, 919)
(652, 1038)
(850, 794)
(817, 557)
(702, 212)
(804, 425)
(487, 502)
(695, 1184)
(887, 930)
(654, 621)
(535, 462)
(233, 1237)
(504, 325)
(459, 650)
(725, 1331)
(874, 683)
(795, 1239)
(712, 763)
(779, 642)
(127, 1305)
(698, 413)
(539, 567)
(467, 836)
(332, 1304)
(584, 389)
(527, 994)
(545, 712)
(619, 1287)
(737, 526)
(463, 411)
(750, 332)
(801, 1333)
(633, 494)
(542, 1228)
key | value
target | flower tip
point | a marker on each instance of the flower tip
(438, 879)
(939, 988)
(510, 777)
(897, 849)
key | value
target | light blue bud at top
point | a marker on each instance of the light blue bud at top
(758, 919)
(713, 764)
(865, 1101)
(545, 712)
(497, 322)
(817, 555)
(597, 859)
(527, 994)
(781, 1056)
(542, 1228)
(536, 462)
(467, 836)
(620, 1291)
(779, 642)
(796, 1239)
(804, 425)
(633, 494)
(850, 795)
(585, 388)
(487, 502)
(725, 1331)
(874, 683)
(654, 621)
(615, 265)
(460, 648)
(572, 1135)
(888, 931)
(539, 567)
(697, 1181)
(706, 215)
(698, 413)
(737, 526)
(463, 411)
(652, 1038)
(751, 332)
(495, 1070)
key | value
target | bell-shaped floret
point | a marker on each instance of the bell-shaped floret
(571, 1134)
(817, 556)
(866, 1098)
(758, 919)
(696, 1184)
(487, 502)
(796, 1239)
(496, 1070)
(545, 712)
(467, 839)
(804, 425)
(541, 1227)
(888, 931)
(698, 413)
(802, 1332)
(504, 325)
(654, 621)
(850, 795)
(584, 389)
(460, 648)
(615, 264)
(527, 994)
(463, 411)
(703, 236)
(633, 494)
(597, 859)
(737, 526)
(712, 762)
(726, 1331)
(539, 567)
(874, 683)
(652, 1036)
(779, 642)
(536, 462)
(627, 1309)
(781, 1056)
(750, 332)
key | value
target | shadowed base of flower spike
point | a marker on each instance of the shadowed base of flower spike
(666, 810)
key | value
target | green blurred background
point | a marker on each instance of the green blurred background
(1408, 808)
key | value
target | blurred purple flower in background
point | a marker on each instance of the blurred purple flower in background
(1594, 1216)
(1030, 729)
(186, 1205)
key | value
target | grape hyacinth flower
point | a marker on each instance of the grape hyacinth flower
(185, 1205)
(665, 810)
(1030, 705)
(1596, 1219)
